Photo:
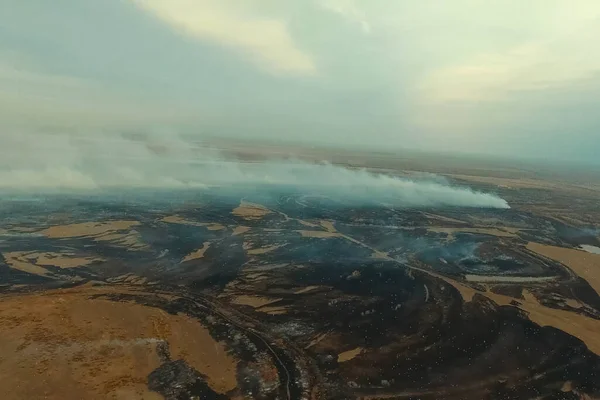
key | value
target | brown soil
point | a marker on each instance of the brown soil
(34, 262)
(306, 289)
(130, 240)
(349, 355)
(584, 328)
(62, 260)
(316, 340)
(198, 253)
(263, 250)
(64, 345)
(319, 234)
(88, 229)
(253, 301)
(22, 261)
(117, 232)
(273, 310)
(240, 230)
(584, 264)
(380, 255)
(250, 211)
(215, 227)
(307, 223)
(176, 219)
(328, 225)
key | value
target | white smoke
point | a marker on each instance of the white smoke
(41, 163)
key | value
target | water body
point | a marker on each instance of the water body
(590, 249)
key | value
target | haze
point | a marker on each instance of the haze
(70, 165)
(502, 77)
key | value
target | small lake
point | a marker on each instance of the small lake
(590, 249)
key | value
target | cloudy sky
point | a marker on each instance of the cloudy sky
(485, 76)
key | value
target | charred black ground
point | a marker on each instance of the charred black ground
(320, 299)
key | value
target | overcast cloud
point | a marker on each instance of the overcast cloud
(490, 76)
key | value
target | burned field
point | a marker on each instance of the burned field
(298, 296)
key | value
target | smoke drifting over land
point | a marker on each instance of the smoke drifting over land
(63, 163)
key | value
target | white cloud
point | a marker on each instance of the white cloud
(31, 97)
(348, 10)
(493, 77)
(264, 39)
(553, 55)
(12, 74)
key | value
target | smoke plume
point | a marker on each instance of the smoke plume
(67, 163)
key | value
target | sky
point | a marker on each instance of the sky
(500, 77)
